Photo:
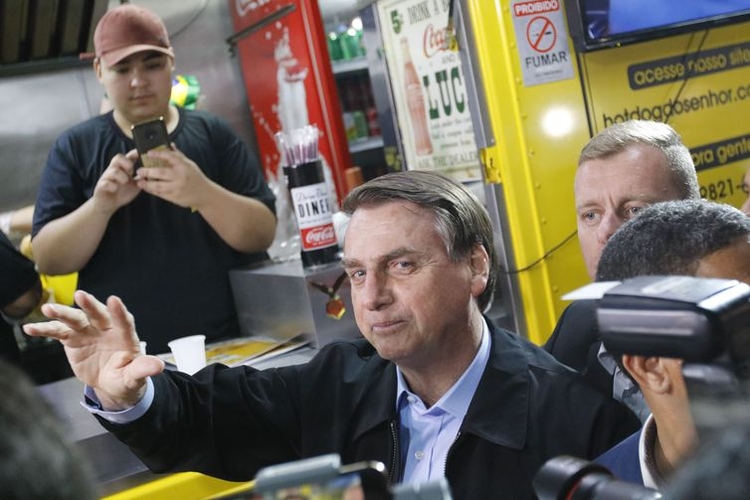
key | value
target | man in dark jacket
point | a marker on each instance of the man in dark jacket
(435, 390)
(621, 170)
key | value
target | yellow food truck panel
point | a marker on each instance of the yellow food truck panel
(541, 101)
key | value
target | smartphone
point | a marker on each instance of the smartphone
(319, 478)
(148, 136)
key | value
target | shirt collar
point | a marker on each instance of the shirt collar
(651, 476)
(457, 399)
(606, 359)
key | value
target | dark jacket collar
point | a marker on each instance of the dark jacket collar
(498, 411)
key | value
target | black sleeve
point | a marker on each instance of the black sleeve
(18, 273)
(224, 422)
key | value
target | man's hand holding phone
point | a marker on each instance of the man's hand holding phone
(167, 173)
(116, 188)
(179, 180)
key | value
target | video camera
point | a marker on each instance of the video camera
(703, 321)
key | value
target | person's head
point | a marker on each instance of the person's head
(134, 62)
(625, 167)
(687, 237)
(38, 462)
(746, 186)
(420, 255)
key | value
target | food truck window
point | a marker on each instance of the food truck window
(597, 24)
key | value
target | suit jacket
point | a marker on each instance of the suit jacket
(623, 459)
(576, 342)
(230, 422)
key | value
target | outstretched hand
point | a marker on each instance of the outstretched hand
(102, 347)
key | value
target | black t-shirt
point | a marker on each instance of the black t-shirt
(166, 263)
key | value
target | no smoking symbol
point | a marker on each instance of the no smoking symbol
(541, 34)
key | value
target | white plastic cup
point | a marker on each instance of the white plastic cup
(189, 353)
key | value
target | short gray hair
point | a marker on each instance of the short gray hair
(618, 137)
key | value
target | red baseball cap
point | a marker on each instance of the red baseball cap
(128, 29)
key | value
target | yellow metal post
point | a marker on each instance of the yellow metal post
(538, 132)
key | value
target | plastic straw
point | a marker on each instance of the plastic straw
(299, 145)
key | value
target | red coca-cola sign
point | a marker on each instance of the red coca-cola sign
(318, 237)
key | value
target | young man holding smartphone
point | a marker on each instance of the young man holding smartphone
(163, 237)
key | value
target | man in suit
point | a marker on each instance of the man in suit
(434, 390)
(688, 237)
(621, 170)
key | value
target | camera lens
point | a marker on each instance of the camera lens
(561, 476)
(151, 136)
(572, 478)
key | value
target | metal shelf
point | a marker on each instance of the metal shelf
(349, 65)
(365, 144)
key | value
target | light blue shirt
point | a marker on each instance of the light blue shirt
(426, 434)
(123, 416)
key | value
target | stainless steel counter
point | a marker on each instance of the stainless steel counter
(114, 465)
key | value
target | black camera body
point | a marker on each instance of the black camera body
(698, 320)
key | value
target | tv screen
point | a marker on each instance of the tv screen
(596, 24)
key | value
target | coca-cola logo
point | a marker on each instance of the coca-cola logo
(435, 40)
(320, 234)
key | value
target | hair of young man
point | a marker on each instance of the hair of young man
(620, 136)
(460, 218)
(670, 238)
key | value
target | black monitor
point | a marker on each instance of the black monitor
(597, 24)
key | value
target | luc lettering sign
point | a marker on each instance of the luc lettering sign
(429, 90)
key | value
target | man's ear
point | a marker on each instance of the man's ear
(649, 372)
(98, 68)
(480, 269)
